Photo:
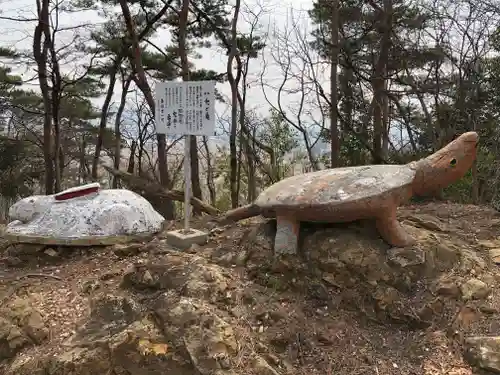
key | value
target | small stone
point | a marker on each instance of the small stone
(209, 277)
(484, 352)
(127, 250)
(89, 286)
(29, 319)
(224, 363)
(488, 279)
(488, 309)
(262, 367)
(51, 252)
(240, 258)
(324, 339)
(147, 278)
(467, 316)
(273, 359)
(448, 288)
(446, 254)
(495, 255)
(474, 289)
(12, 339)
(406, 257)
(238, 312)
(216, 230)
(470, 259)
(109, 275)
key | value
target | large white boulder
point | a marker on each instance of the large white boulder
(84, 212)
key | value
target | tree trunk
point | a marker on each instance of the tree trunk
(378, 82)
(131, 158)
(83, 149)
(385, 123)
(334, 129)
(104, 117)
(195, 171)
(62, 161)
(40, 52)
(143, 85)
(118, 138)
(161, 139)
(140, 153)
(210, 174)
(252, 184)
(248, 141)
(55, 100)
(348, 108)
(239, 165)
(233, 158)
(57, 150)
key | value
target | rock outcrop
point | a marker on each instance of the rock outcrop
(347, 304)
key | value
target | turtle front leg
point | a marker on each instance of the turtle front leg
(286, 240)
(391, 230)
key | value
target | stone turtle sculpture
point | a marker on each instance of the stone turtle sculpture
(83, 216)
(353, 193)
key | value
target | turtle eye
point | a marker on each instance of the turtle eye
(453, 162)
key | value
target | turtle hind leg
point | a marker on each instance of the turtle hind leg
(392, 231)
(286, 240)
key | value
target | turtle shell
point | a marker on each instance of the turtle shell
(337, 188)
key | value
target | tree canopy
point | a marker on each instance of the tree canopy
(341, 83)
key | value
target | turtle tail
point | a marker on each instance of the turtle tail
(240, 213)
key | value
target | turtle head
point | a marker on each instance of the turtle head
(447, 165)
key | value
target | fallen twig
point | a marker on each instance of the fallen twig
(152, 187)
(41, 275)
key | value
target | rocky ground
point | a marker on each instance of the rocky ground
(348, 304)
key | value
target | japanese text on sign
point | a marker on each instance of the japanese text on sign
(185, 108)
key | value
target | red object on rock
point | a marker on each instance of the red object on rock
(76, 193)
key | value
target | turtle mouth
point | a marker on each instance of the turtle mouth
(471, 147)
(473, 143)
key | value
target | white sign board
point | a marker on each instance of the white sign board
(185, 108)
